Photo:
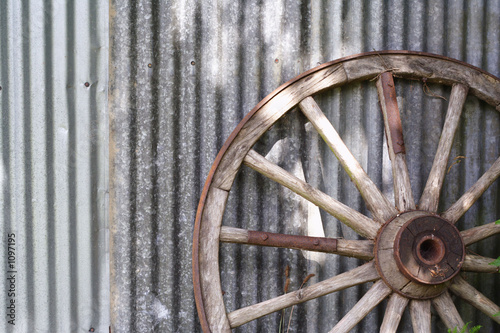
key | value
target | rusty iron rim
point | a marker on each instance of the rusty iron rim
(232, 136)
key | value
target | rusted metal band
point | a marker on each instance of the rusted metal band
(393, 117)
(319, 244)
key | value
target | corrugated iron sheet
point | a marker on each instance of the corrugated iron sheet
(54, 166)
(184, 73)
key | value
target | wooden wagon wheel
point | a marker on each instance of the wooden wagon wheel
(414, 252)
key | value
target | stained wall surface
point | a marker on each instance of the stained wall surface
(54, 166)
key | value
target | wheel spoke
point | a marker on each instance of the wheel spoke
(362, 274)
(395, 143)
(476, 234)
(377, 293)
(376, 202)
(361, 249)
(474, 263)
(469, 198)
(447, 311)
(464, 290)
(360, 223)
(420, 316)
(393, 313)
(430, 197)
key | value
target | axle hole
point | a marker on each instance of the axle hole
(430, 250)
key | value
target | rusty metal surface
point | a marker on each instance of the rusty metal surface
(211, 63)
(393, 117)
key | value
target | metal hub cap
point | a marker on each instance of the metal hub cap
(429, 250)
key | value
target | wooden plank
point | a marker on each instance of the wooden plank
(208, 255)
(361, 249)
(376, 202)
(447, 311)
(395, 143)
(473, 235)
(377, 293)
(430, 197)
(359, 275)
(475, 263)
(420, 312)
(464, 290)
(393, 313)
(264, 115)
(363, 225)
(469, 198)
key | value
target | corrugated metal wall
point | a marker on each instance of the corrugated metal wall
(54, 165)
(184, 73)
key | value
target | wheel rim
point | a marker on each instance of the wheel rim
(382, 66)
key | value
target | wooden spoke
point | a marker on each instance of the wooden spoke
(447, 311)
(464, 290)
(362, 274)
(377, 293)
(393, 313)
(476, 234)
(420, 312)
(469, 198)
(430, 197)
(394, 134)
(474, 263)
(361, 249)
(363, 225)
(376, 202)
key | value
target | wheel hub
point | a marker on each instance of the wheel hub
(429, 250)
(418, 253)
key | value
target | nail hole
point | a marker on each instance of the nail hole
(86, 84)
(150, 65)
(276, 60)
(193, 63)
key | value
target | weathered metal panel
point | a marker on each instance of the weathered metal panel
(184, 73)
(54, 166)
